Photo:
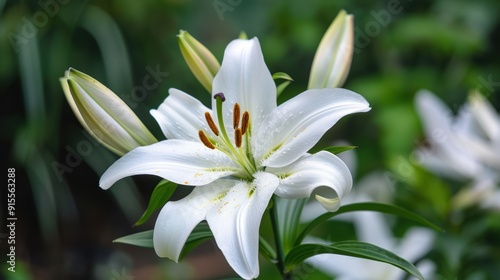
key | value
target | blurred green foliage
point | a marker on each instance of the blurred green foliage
(446, 46)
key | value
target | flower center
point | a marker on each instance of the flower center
(238, 149)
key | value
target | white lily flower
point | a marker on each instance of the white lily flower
(238, 154)
(466, 147)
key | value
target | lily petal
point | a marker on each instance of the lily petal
(179, 161)
(244, 78)
(302, 177)
(236, 219)
(181, 116)
(177, 219)
(297, 125)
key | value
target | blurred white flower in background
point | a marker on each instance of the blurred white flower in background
(464, 147)
(372, 227)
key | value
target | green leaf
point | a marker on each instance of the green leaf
(145, 239)
(349, 248)
(199, 235)
(141, 239)
(282, 75)
(161, 194)
(289, 211)
(367, 206)
(202, 232)
(339, 149)
(281, 87)
(266, 250)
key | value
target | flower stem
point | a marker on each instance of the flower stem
(277, 240)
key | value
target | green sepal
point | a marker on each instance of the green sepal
(349, 248)
(339, 149)
(366, 206)
(161, 194)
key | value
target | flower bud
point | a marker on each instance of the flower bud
(332, 60)
(200, 60)
(103, 114)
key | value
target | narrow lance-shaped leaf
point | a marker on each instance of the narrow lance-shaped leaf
(145, 238)
(349, 248)
(289, 212)
(200, 234)
(339, 149)
(140, 239)
(366, 206)
(281, 87)
(161, 194)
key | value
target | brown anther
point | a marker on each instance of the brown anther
(211, 123)
(244, 122)
(237, 137)
(205, 141)
(236, 115)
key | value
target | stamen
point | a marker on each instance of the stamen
(244, 122)
(237, 137)
(236, 115)
(211, 123)
(205, 141)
